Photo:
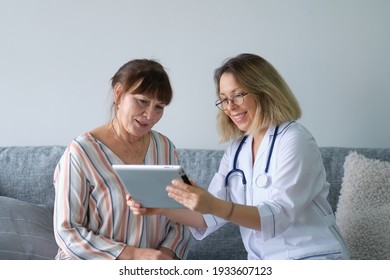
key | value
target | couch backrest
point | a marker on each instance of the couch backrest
(26, 173)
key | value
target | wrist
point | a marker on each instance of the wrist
(229, 215)
(223, 209)
(168, 252)
(127, 253)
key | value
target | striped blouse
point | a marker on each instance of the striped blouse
(91, 217)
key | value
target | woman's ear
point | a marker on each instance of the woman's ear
(118, 90)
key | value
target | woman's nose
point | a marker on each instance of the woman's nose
(149, 112)
(231, 105)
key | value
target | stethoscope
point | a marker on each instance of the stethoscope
(264, 179)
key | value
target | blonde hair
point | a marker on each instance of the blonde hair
(274, 99)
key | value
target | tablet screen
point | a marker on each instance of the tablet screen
(147, 183)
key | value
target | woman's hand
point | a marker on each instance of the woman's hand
(200, 200)
(137, 209)
(133, 253)
(191, 196)
(182, 216)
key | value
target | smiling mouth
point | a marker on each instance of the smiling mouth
(238, 117)
(142, 123)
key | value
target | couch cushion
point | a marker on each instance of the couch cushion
(364, 206)
(26, 231)
(223, 244)
(27, 172)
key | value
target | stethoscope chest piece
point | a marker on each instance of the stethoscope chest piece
(263, 180)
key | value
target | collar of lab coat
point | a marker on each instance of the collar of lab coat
(282, 127)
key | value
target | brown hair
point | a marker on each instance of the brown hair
(152, 78)
(275, 101)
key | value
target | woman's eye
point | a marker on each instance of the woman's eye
(160, 107)
(142, 102)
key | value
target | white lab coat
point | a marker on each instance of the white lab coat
(297, 221)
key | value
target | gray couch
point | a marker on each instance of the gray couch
(26, 199)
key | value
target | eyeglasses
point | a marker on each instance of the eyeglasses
(237, 99)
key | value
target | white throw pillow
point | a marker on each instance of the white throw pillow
(363, 210)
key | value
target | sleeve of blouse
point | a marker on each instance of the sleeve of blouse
(177, 239)
(298, 179)
(70, 208)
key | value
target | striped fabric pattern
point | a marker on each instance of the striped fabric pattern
(91, 217)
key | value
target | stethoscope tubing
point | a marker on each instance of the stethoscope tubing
(271, 149)
(235, 169)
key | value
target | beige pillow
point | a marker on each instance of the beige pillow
(363, 210)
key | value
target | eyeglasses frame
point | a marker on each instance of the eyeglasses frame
(219, 102)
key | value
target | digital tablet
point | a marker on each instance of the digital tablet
(147, 183)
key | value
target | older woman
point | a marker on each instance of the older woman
(91, 218)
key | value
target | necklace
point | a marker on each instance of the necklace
(131, 155)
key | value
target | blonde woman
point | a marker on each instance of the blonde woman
(271, 180)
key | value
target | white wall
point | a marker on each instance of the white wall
(57, 57)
